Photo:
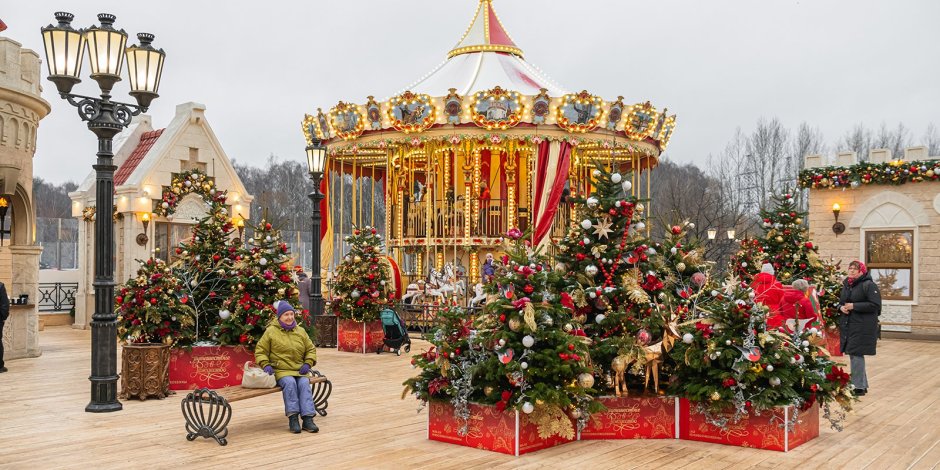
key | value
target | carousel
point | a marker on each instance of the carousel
(482, 144)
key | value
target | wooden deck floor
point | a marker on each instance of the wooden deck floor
(43, 424)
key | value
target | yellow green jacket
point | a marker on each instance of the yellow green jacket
(285, 350)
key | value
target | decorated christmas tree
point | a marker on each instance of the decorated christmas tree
(205, 267)
(149, 310)
(262, 276)
(785, 244)
(687, 271)
(729, 365)
(525, 351)
(362, 283)
(611, 277)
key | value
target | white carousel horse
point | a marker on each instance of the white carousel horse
(451, 278)
(413, 294)
(480, 297)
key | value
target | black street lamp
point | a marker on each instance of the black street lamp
(316, 161)
(65, 47)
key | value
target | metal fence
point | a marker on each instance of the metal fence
(57, 296)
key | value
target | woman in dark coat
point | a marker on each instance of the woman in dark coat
(860, 306)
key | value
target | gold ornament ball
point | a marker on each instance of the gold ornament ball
(680, 267)
(640, 208)
(779, 239)
(715, 396)
(357, 258)
(488, 390)
(586, 380)
(514, 324)
(798, 221)
(568, 327)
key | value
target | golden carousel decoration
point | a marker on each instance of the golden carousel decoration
(484, 143)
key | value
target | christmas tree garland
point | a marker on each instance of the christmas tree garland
(894, 173)
(189, 181)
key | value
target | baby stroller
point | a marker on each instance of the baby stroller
(396, 333)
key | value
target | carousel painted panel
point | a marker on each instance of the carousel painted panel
(410, 112)
(641, 121)
(347, 120)
(497, 109)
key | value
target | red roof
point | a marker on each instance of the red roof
(146, 141)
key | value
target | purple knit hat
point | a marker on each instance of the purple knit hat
(283, 306)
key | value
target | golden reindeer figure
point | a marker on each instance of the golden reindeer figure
(654, 352)
(619, 366)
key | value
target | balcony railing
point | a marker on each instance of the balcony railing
(57, 296)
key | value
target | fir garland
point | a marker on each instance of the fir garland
(893, 173)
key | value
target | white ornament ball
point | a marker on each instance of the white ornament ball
(502, 342)
(627, 186)
(714, 293)
(528, 408)
(198, 257)
(586, 224)
(587, 241)
(770, 368)
(673, 250)
(165, 205)
(616, 203)
(813, 331)
(744, 265)
(600, 317)
(640, 226)
(590, 270)
(592, 202)
(527, 341)
(596, 173)
(354, 294)
(774, 381)
(592, 295)
(524, 365)
(267, 238)
(688, 338)
(224, 314)
(616, 178)
(727, 342)
(651, 251)
(805, 343)
(263, 261)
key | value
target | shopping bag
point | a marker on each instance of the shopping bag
(256, 377)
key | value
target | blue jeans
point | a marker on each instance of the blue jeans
(297, 395)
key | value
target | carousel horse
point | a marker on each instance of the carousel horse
(413, 294)
(453, 279)
(480, 297)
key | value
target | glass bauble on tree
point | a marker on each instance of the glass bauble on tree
(362, 285)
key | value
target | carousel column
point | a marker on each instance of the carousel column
(511, 188)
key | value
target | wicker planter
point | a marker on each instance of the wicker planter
(145, 371)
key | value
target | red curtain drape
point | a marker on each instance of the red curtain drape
(551, 172)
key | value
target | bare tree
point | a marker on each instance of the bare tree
(858, 140)
(932, 140)
(895, 140)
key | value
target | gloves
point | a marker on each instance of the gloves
(269, 370)
(304, 369)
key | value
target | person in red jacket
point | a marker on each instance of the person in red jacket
(767, 289)
(795, 308)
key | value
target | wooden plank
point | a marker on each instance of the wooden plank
(44, 424)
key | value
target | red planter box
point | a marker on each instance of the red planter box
(358, 337)
(507, 432)
(208, 366)
(752, 431)
(833, 338)
(634, 418)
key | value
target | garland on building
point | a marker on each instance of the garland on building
(186, 182)
(363, 281)
(896, 172)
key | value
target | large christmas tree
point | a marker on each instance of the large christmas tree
(262, 276)
(612, 276)
(149, 310)
(786, 245)
(362, 284)
(526, 352)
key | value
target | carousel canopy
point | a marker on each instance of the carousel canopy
(485, 57)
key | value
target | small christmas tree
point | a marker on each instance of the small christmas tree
(612, 278)
(687, 270)
(262, 270)
(205, 267)
(148, 308)
(527, 353)
(363, 284)
(728, 362)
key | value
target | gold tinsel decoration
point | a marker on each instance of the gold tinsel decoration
(528, 316)
(693, 258)
(550, 420)
(580, 300)
(631, 284)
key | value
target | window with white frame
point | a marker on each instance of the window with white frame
(889, 255)
(167, 236)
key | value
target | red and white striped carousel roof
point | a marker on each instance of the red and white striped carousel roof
(485, 57)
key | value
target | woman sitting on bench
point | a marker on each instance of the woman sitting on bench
(287, 352)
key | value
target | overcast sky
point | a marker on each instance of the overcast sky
(259, 66)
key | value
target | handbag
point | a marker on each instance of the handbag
(256, 377)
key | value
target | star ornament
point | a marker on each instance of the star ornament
(602, 228)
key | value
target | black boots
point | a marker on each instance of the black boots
(294, 424)
(308, 424)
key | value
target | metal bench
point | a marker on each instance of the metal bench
(208, 412)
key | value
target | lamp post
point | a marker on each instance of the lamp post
(65, 48)
(316, 161)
